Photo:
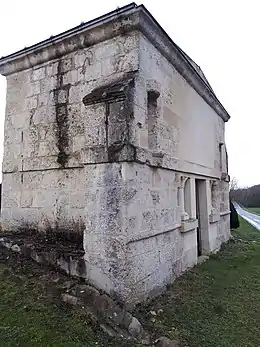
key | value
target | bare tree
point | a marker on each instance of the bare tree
(249, 197)
(233, 184)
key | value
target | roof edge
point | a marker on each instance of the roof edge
(162, 41)
(78, 28)
(120, 21)
(64, 43)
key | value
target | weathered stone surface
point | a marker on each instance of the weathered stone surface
(69, 299)
(102, 131)
(135, 328)
(165, 342)
(202, 259)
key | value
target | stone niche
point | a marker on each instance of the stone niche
(116, 99)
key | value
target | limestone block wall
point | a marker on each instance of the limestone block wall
(50, 134)
(182, 126)
(100, 142)
(181, 133)
(133, 229)
(219, 227)
(43, 200)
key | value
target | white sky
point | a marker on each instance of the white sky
(222, 36)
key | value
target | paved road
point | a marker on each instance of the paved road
(251, 218)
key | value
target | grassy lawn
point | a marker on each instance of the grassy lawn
(26, 319)
(255, 210)
(30, 318)
(216, 304)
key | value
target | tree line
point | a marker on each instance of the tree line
(248, 197)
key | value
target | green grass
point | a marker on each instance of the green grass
(29, 318)
(216, 304)
(255, 210)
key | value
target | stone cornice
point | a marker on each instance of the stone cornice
(119, 22)
(86, 35)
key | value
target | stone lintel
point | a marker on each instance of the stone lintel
(112, 92)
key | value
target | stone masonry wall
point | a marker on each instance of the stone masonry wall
(48, 131)
(177, 131)
(182, 127)
(133, 229)
(127, 202)
(100, 140)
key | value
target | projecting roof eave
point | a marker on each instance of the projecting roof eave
(118, 22)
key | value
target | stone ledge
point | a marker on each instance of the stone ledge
(225, 213)
(69, 262)
(150, 234)
(165, 161)
(66, 261)
(189, 225)
(112, 316)
(214, 217)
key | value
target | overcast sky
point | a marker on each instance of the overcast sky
(222, 36)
